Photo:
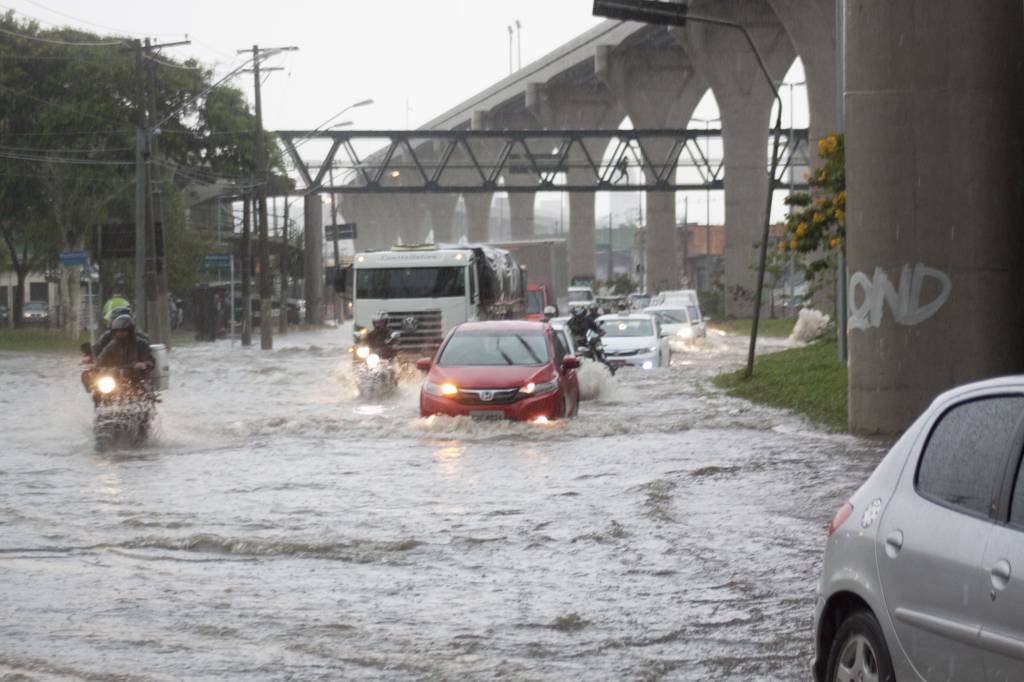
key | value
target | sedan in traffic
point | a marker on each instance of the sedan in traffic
(501, 370)
(36, 312)
(923, 577)
(634, 340)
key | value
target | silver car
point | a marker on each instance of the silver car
(923, 577)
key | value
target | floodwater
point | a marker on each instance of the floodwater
(276, 528)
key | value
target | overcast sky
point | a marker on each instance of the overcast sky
(414, 58)
(432, 53)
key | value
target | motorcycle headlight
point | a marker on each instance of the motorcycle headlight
(372, 360)
(106, 384)
(539, 389)
(363, 352)
(446, 390)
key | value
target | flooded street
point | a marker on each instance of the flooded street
(276, 528)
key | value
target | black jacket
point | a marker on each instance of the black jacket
(126, 353)
(108, 336)
(580, 324)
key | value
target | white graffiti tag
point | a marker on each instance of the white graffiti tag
(869, 295)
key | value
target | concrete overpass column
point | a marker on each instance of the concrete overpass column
(658, 88)
(811, 25)
(933, 161)
(520, 206)
(478, 216)
(442, 215)
(661, 250)
(582, 238)
(744, 98)
(577, 105)
(313, 211)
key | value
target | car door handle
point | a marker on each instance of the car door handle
(893, 543)
(1001, 572)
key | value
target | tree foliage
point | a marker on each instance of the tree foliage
(815, 226)
(68, 121)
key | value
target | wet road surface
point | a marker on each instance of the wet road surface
(276, 528)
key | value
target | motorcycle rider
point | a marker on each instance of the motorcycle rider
(108, 335)
(379, 340)
(126, 350)
(580, 323)
(550, 312)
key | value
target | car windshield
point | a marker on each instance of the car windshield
(578, 296)
(490, 349)
(694, 315)
(35, 305)
(534, 302)
(671, 316)
(411, 282)
(627, 327)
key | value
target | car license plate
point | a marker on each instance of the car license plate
(617, 363)
(487, 414)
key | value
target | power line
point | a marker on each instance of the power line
(83, 21)
(61, 42)
(62, 160)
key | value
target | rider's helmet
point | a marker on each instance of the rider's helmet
(550, 311)
(123, 323)
(380, 319)
(579, 311)
(118, 312)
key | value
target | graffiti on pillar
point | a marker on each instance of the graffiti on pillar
(869, 296)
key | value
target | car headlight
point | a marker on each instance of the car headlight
(445, 390)
(685, 333)
(652, 349)
(372, 360)
(363, 352)
(539, 389)
(106, 384)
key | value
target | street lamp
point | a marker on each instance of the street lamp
(677, 14)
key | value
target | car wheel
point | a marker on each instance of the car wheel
(859, 652)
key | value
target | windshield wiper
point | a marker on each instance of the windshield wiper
(508, 360)
(529, 350)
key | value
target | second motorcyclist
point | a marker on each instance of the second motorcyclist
(379, 339)
(580, 323)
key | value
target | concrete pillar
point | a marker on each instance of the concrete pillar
(934, 177)
(745, 100)
(478, 216)
(567, 106)
(658, 87)
(811, 25)
(442, 214)
(520, 208)
(313, 219)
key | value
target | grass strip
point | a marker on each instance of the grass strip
(37, 340)
(808, 380)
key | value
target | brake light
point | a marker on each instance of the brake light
(840, 518)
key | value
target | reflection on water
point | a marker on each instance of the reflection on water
(277, 527)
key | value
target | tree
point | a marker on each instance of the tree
(816, 223)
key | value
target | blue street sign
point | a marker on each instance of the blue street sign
(218, 260)
(72, 258)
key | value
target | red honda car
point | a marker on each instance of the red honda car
(501, 370)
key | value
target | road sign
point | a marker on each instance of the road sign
(216, 261)
(72, 257)
(340, 231)
(118, 240)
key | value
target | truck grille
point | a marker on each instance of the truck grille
(421, 331)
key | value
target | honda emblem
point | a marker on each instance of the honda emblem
(486, 396)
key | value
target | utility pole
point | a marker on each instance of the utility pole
(283, 322)
(147, 263)
(337, 255)
(262, 177)
(246, 269)
(519, 44)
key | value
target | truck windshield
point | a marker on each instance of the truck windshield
(488, 349)
(534, 302)
(411, 282)
(578, 296)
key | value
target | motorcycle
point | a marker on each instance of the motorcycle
(593, 349)
(125, 407)
(375, 376)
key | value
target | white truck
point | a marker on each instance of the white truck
(428, 289)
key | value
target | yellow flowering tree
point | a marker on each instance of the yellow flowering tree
(815, 228)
